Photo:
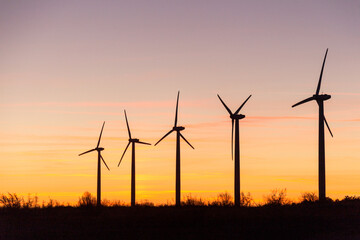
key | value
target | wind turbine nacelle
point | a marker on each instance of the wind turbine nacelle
(178, 128)
(133, 140)
(100, 149)
(322, 97)
(238, 116)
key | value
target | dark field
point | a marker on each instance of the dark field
(301, 221)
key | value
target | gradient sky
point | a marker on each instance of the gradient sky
(67, 66)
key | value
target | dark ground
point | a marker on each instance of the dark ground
(309, 221)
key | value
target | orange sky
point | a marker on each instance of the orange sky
(65, 68)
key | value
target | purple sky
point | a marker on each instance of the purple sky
(66, 66)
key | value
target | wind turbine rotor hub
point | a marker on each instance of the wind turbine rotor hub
(178, 128)
(237, 116)
(322, 97)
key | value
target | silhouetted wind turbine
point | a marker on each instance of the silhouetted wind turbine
(178, 135)
(320, 98)
(133, 141)
(235, 117)
(98, 149)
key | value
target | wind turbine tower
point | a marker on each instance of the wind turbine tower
(132, 141)
(235, 117)
(320, 98)
(178, 130)
(98, 149)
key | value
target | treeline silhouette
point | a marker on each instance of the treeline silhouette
(276, 217)
(277, 197)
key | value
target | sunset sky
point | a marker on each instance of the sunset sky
(67, 66)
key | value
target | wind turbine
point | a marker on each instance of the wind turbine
(320, 98)
(98, 149)
(132, 141)
(178, 129)
(235, 117)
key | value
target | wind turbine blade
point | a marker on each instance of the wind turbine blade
(144, 143)
(328, 126)
(186, 140)
(164, 137)
(87, 151)
(322, 69)
(123, 153)
(229, 111)
(303, 101)
(232, 139)
(237, 111)
(100, 135)
(176, 113)
(104, 162)
(127, 124)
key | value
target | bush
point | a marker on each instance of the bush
(146, 203)
(87, 200)
(11, 200)
(308, 197)
(277, 197)
(117, 203)
(351, 198)
(246, 200)
(106, 203)
(52, 203)
(223, 199)
(193, 201)
(32, 202)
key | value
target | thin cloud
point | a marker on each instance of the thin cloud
(90, 104)
(277, 117)
(346, 94)
(206, 124)
(247, 119)
(352, 120)
(144, 104)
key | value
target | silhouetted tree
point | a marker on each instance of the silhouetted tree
(11, 200)
(223, 199)
(52, 203)
(246, 200)
(105, 202)
(277, 197)
(308, 197)
(351, 198)
(87, 200)
(146, 203)
(117, 203)
(31, 202)
(193, 201)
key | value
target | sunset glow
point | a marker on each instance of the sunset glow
(65, 67)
